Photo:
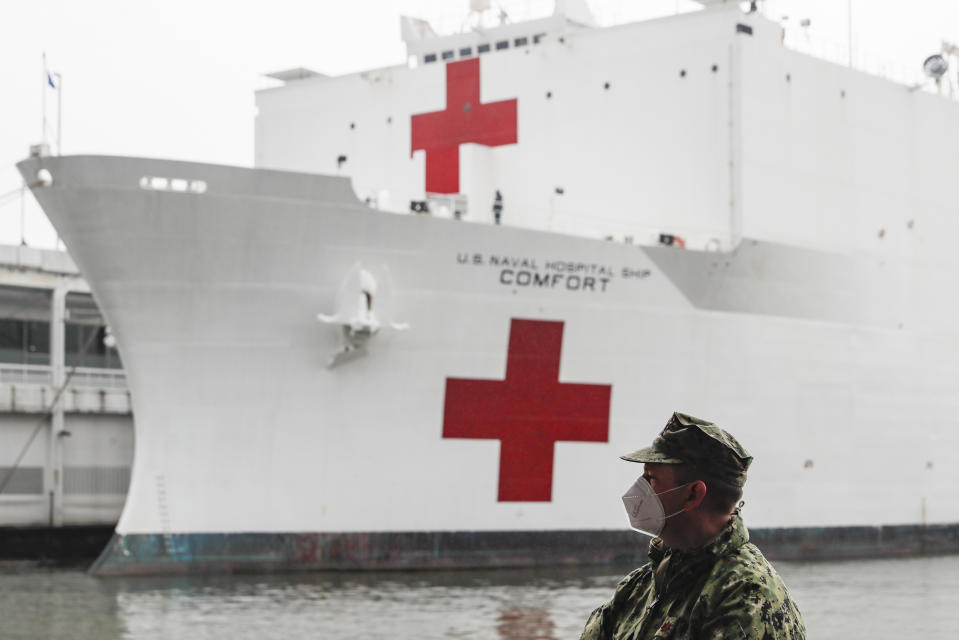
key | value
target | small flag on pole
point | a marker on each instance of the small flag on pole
(50, 81)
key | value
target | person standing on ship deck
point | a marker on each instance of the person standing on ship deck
(497, 207)
(704, 578)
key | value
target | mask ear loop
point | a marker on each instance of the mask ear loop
(670, 491)
(662, 493)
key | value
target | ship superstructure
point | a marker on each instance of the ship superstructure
(422, 330)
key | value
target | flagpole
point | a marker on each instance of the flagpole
(43, 98)
(59, 112)
(59, 88)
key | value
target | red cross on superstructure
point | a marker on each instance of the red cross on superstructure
(528, 412)
(465, 119)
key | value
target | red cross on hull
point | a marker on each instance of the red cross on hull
(465, 119)
(528, 412)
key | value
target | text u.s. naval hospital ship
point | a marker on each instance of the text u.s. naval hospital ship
(369, 372)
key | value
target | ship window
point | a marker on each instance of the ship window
(447, 55)
(466, 51)
(429, 57)
(502, 44)
(483, 48)
(521, 42)
(538, 37)
(159, 183)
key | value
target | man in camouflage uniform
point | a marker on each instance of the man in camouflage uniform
(704, 579)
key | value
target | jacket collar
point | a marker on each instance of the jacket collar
(726, 542)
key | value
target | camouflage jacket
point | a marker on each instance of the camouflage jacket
(725, 589)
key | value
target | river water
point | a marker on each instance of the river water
(872, 599)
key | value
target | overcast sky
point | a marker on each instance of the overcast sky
(175, 79)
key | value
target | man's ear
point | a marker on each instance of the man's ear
(696, 495)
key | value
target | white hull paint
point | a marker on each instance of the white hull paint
(213, 299)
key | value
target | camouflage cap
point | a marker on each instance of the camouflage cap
(689, 440)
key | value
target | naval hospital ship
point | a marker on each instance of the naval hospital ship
(369, 372)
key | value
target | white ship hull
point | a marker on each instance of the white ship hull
(252, 453)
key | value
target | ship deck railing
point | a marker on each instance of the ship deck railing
(83, 377)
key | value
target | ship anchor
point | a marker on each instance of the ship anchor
(355, 312)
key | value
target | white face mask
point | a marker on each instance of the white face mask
(645, 509)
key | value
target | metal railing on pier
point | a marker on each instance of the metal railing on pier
(83, 377)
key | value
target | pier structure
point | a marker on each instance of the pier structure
(66, 424)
